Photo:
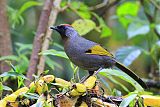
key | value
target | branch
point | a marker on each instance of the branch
(104, 3)
(104, 10)
(45, 45)
(37, 44)
(152, 83)
(155, 4)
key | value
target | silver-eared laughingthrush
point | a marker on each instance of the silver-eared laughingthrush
(89, 55)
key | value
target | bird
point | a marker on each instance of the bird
(89, 55)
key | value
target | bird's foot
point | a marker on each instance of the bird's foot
(84, 78)
(90, 74)
(95, 73)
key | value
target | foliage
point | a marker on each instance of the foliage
(83, 26)
(127, 54)
(127, 11)
(15, 15)
(135, 24)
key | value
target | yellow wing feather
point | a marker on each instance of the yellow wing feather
(98, 50)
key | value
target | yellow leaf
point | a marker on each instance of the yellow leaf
(48, 78)
(21, 90)
(90, 82)
(150, 100)
(83, 26)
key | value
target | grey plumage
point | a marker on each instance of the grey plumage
(77, 47)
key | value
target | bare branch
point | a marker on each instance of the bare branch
(104, 10)
(37, 44)
(152, 83)
(45, 45)
(104, 3)
(155, 4)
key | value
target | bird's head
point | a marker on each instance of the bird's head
(65, 30)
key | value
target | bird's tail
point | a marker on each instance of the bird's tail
(131, 74)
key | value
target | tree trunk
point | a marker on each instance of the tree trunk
(5, 39)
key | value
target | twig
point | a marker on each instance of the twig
(152, 83)
(75, 11)
(45, 45)
(155, 4)
(104, 10)
(104, 3)
(37, 44)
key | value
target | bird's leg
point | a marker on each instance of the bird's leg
(86, 77)
(95, 73)
(90, 74)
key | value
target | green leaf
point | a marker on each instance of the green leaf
(158, 28)
(84, 14)
(58, 46)
(54, 53)
(154, 52)
(116, 92)
(14, 17)
(127, 55)
(20, 82)
(117, 82)
(140, 102)
(27, 5)
(22, 47)
(75, 4)
(106, 31)
(13, 67)
(135, 29)
(103, 81)
(10, 57)
(63, 4)
(81, 9)
(127, 10)
(125, 102)
(23, 63)
(84, 11)
(15, 14)
(123, 76)
(1, 87)
(31, 95)
(83, 26)
(7, 88)
(38, 104)
(12, 74)
(149, 7)
(51, 63)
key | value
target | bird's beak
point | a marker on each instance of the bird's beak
(54, 28)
